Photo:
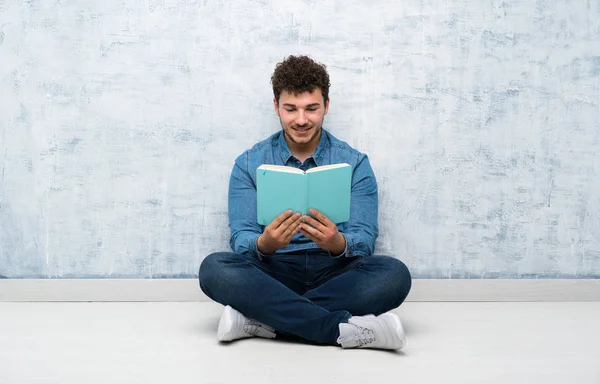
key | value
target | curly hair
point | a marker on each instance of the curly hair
(298, 74)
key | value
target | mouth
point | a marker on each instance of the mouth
(301, 131)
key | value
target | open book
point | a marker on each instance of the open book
(325, 188)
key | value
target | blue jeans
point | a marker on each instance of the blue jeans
(306, 293)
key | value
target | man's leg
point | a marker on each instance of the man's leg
(368, 286)
(255, 289)
(372, 285)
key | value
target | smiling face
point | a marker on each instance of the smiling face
(301, 118)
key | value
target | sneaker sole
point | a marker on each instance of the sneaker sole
(398, 336)
(225, 324)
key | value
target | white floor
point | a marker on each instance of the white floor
(175, 343)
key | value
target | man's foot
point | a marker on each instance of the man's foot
(234, 325)
(382, 332)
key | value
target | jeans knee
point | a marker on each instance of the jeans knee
(207, 266)
(403, 279)
(397, 280)
(209, 270)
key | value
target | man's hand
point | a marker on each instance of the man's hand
(279, 233)
(323, 232)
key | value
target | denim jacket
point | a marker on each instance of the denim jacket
(360, 231)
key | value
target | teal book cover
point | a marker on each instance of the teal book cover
(326, 189)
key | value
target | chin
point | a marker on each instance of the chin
(304, 139)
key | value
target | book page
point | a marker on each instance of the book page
(330, 192)
(277, 191)
(280, 168)
(326, 167)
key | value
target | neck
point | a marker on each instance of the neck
(303, 151)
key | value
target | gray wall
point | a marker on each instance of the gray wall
(120, 121)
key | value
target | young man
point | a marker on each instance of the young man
(302, 276)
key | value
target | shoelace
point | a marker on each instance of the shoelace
(364, 335)
(252, 327)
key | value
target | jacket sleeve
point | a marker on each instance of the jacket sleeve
(362, 229)
(244, 227)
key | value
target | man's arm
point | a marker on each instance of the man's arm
(242, 209)
(362, 228)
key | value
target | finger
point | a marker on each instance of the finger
(292, 228)
(281, 218)
(308, 235)
(289, 221)
(314, 223)
(292, 233)
(321, 217)
(315, 233)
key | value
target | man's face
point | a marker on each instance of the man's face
(301, 116)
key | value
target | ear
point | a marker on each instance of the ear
(276, 105)
(327, 106)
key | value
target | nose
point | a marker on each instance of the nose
(301, 118)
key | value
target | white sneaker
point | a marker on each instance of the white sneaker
(233, 325)
(382, 332)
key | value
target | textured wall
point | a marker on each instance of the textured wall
(120, 120)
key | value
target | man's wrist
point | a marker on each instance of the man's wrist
(261, 247)
(339, 250)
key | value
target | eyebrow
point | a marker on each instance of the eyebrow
(313, 105)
